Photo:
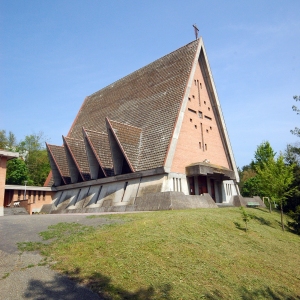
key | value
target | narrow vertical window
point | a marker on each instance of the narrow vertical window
(205, 146)
(202, 135)
(180, 188)
(174, 184)
(44, 195)
(198, 87)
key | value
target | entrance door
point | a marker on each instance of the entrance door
(212, 188)
(192, 185)
(202, 184)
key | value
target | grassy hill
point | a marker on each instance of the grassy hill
(190, 254)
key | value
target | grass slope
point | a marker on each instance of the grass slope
(190, 254)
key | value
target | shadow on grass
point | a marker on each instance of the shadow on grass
(264, 293)
(261, 220)
(64, 288)
(60, 287)
(239, 226)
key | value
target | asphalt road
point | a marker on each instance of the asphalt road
(20, 275)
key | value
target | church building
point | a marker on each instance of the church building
(158, 132)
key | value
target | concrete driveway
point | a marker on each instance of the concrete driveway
(20, 275)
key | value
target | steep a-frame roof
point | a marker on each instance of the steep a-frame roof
(133, 124)
(148, 99)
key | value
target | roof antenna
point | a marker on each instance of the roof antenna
(196, 30)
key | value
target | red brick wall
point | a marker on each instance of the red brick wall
(188, 149)
(3, 160)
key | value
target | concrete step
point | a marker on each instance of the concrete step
(9, 211)
(46, 209)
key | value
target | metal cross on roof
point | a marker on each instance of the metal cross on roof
(196, 30)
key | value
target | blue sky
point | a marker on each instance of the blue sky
(55, 53)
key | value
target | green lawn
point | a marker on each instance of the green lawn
(190, 254)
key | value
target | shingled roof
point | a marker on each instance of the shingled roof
(142, 108)
(131, 124)
(59, 165)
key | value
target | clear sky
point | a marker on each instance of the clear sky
(55, 53)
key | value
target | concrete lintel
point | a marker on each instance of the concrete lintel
(212, 170)
(123, 177)
(9, 154)
(28, 187)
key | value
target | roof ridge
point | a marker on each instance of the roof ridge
(55, 145)
(126, 124)
(73, 138)
(94, 131)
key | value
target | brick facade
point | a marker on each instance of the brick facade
(199, 138)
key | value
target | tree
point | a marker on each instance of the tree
(17, 172)
(36, 158)
(251, 187)
(3, 139)
(296, 131)
(263, 153)
(295, 224)
(276, 179)
(11, 141)
(250, 183)
(246, 217)
(292, 157)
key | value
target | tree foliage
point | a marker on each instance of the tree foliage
(295, 215)
(296, 130)
(262, 155)
(33, 157)
(251, 183)
(292, 157)
(276, 179)
(246, 217)
(17, 172)
(8, 142)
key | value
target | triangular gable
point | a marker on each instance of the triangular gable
(75, 171)
(59, 165)
(100, 144)
(96, 166)
(199, 117)
(129, 137)
(121, 162)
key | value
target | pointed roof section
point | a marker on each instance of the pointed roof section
(59, 165)
(77, 159)
(121, 162)
(100, 145)
(129, 140)
(96, 166)
(148, 99)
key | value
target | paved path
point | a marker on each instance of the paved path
(17, 280)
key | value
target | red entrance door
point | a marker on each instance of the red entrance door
(202, 184)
